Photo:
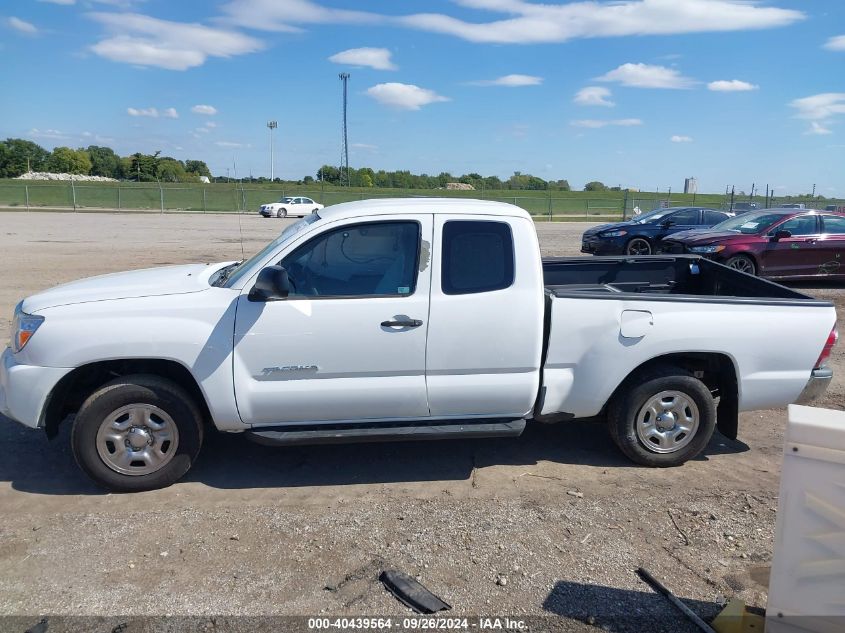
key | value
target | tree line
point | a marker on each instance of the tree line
(17, 156)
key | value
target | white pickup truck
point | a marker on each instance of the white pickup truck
(406, 319)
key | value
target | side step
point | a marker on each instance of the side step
(396, 432)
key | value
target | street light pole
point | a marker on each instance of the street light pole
(272, 125)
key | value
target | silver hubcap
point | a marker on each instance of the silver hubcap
(137, 439)
(742, 264)
(667, 422)
(639, 247)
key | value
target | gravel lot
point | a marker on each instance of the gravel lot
(551, 525)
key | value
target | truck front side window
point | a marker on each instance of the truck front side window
(372, 259)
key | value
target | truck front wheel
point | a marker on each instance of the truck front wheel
(137, 432)
(662, 418)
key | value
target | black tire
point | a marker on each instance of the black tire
(743, 263)
(633, 395)
(128, 390)
(282, 213)
(635, 241)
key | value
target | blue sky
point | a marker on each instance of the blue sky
(638, 93)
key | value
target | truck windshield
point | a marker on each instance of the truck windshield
(748, 223)
(229, 276)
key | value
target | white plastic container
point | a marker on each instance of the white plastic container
(807, 586)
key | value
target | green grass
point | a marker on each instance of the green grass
(229, 197)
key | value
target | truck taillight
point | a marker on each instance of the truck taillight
(828, 348)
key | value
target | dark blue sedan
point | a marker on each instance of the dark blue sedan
(642, 235)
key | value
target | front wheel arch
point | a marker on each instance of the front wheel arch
(71, 391)
(744, 255)
(639, 238)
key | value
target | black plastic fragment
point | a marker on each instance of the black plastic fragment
(411, 593)
(41, 627)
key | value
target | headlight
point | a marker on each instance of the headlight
(23, 327)
(618, 233)
(707, 249)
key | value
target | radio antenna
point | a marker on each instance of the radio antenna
(240, 226)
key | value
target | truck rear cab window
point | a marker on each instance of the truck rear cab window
(357, 260)
(477, 257)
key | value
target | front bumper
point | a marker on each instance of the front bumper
(603, 245)
(816, 386)
(24, 389)
(265, 212)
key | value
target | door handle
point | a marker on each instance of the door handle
(402, 323)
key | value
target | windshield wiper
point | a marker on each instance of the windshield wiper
(224, 274)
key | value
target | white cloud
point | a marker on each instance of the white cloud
(378, 58)
(677, 138)
(404, 96)
(64, 2)
(532, 23)
(818, 128)
(281, 15)
(511, 81)
(365, 146)
(204, 109)
(593, 96)
(647, 76)
(21, 26)
(600, 123)
(145, 41)
(731, 85)
(821, 106)
(819, 109)
(54, 135)
(230, 144)
(210, 124)
(836, 43)
(529, 23)
(170, 113)
(149, 112)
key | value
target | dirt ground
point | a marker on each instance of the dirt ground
(550, 526)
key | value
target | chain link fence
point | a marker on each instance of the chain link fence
(552, 205)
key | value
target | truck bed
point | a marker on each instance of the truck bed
(606, 316)
(668, 277)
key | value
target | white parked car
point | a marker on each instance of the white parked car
(406, 319)
(287, 206)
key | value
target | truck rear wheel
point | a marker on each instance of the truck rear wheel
(137, 432)
(662, 418)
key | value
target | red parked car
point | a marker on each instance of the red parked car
(776, 243)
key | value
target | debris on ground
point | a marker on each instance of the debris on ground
(411, 593)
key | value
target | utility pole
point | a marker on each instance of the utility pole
(344, 147)
(272, 125)
(733, 191)
(814, 190)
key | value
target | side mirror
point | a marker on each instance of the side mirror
(782, 234)
(272, 284)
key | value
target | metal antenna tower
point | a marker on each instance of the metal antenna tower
(344, 147)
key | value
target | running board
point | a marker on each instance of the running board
(351, 433)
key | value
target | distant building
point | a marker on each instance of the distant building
(204, 179)
(690, 185)
(459, 186)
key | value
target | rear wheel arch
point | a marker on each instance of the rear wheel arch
(73, 389)
(715, 369)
